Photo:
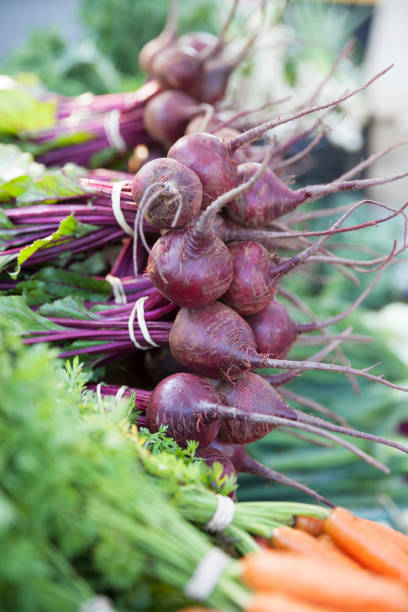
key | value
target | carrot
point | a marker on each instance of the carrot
(364, 542)
(296, 541)
(391, 534)
(278, 602)
(328, 543)
(323, 582)
(310, 524)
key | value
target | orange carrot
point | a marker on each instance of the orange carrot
(323, 583)
(279, 602)
(312, 525)
(364, 542)
(391, 534)
(296, 541)
(328, 543)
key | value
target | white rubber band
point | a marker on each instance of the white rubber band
(138, 311)
(206, 574)
(76, 117)
(119, 394)
(142, 321)
(99, 395)
(111, 124)
(223, 515)
(84, 99)
(117, 289)
(116, 209)
(131, 330)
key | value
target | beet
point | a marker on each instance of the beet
(178, 67)
(215, 341)
(252, 286)
(191, 268)
(167, 115)
(270, 198)
(274, 331)
(255, 394)
(192, 410)
(210, 159)
(212, 341)
(214, 79)
(179, 204)
(180, 402)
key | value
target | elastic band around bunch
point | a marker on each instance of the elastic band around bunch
(116, 209)
(223, 515)
(99, 395)
(119, 394)
(206, 574)
(138, 310)
(111, 124)
(117, 289)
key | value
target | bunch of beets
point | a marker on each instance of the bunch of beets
(221, 210)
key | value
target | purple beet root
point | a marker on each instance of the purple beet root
(180, 402)
(193, 410)
(178, 67)
(252, 286)
(274, 331)
(167, 115)
(270, 198)
(253, 393)
(208, 156)
(190, 268)
(214, 80)
(267, 200)
(176, 206)
(215, 341)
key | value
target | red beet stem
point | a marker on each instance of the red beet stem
(306, 327)
(212, 50)
(258, 469)
(314, 192)
(256, 132)
(355, 433)
(259, 362)
(253, 417)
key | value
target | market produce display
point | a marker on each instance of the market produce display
(146, 344)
